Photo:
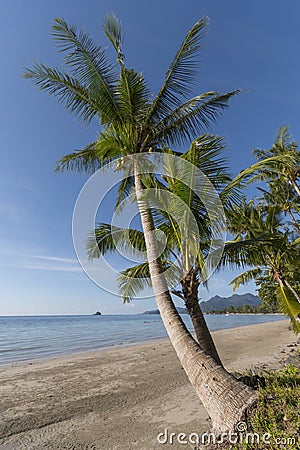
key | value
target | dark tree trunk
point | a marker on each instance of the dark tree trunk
(190, 286)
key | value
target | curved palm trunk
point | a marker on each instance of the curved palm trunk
(294, 220)
(284, 283)
(296, 295)
(296, 187)
(190, 286)
(225, 399)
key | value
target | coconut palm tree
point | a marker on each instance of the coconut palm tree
(262, 242)
(283, 173)
(281, 194)
(278, 167)
(132, 123)
(282, 178)
(206, 154)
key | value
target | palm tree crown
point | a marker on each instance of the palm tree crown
(263, 243)
(119, 98)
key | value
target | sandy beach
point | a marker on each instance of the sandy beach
(121, 399)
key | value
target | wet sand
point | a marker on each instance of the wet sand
(121, 399)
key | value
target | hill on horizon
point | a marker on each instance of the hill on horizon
(218, 303)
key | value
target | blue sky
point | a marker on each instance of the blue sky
(250, 45)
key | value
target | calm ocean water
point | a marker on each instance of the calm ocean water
(30, 337)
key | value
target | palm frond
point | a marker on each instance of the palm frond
(263, 169)
(205, 153)
(92, 158)
(133, 280)
(178, 213)
(231, 196)
(90, 65)
(105, 238)
(78, 99)
(245, 278)
(191, 118)
(125, 189)
(180, 75)
(296, 242)
(133, 96)
(253, 220)
(289, 306)
(254, 251)
(112, 28)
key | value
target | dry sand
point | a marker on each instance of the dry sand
(120, 399)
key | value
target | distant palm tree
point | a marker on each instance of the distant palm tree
(282, 194)
(262, 243)
(282, 183)
(134, 123)
(279, 166)
(283, 173)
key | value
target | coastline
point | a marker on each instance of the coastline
(27, 340)
(121, 398)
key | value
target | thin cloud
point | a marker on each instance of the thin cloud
(55, 258)
(53, 268)
(46, 263)
(63, 264)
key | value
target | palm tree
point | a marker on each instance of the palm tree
(205, 153)
(132, 123)
(262, 242)
(281, 177)
(282, 194)
(283, 173)
(278, 167)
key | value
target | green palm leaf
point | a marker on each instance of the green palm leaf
(133, 97)
(133, 280)
(289, 306)
(296, 242)
(181, 73)
(245, 277)
(92, 158)
(205, 153)
(266, 168)
(125, 189)
(191, 118)
(113, 31)
(90, 65)
(106, 237)
(77, 98)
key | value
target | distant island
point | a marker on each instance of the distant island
(97, 313)
(235, 304)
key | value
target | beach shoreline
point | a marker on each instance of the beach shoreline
(109, 348)
(122, 397)
(39, 338)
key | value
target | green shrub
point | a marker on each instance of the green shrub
(277, 412)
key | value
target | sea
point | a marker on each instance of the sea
(26, 338)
